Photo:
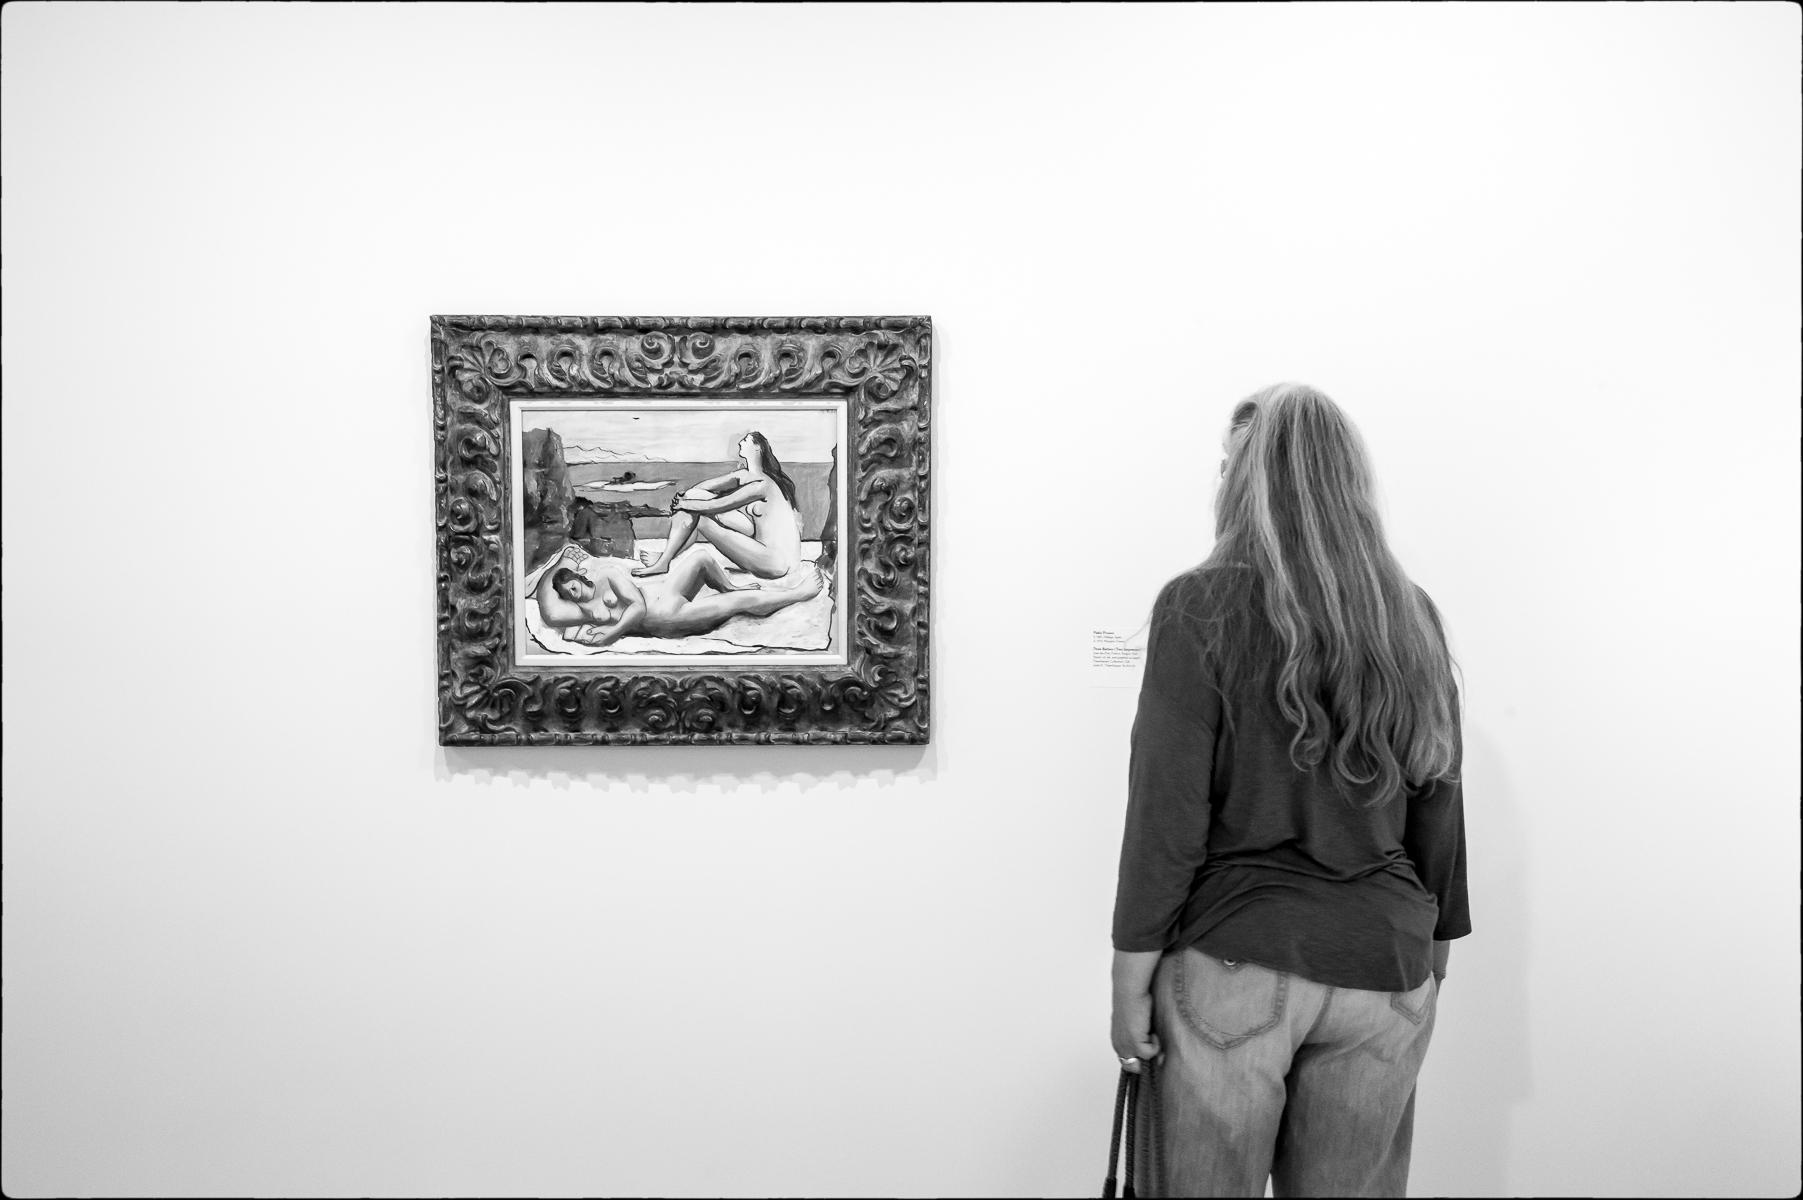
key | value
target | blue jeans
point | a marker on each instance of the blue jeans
(1266, 1074)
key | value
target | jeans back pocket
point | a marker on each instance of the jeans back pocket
(1226, 1002)
(1415, 1004)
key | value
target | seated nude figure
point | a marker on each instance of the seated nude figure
(578, 590)
(749, 515)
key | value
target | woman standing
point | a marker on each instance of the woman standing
(1293, 866)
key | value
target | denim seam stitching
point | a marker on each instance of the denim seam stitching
(1321, 1017)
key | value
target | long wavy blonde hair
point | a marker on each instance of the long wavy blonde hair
(1324, 619)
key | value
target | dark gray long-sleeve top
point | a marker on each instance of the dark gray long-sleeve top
(1231, 849)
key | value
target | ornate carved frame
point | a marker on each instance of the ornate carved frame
(879, 365)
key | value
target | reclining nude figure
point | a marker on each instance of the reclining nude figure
(578, 590)
(748, 515)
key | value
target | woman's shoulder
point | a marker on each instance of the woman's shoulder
(1199, 615)
(1208, 590)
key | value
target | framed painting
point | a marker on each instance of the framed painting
(682, 530)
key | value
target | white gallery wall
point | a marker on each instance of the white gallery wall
(262, 935)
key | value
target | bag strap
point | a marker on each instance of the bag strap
(1126, 1101)
(1127, 1097)
(1154, 1127)
(1132, 1133)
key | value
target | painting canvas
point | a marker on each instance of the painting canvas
(676, 533)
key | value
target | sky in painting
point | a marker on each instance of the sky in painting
(709, 434)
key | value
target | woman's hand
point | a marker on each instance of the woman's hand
(687, 500)
(599, 635)
(1132, 1028)
(1132, 1032)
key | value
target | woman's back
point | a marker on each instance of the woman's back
(1285, 866)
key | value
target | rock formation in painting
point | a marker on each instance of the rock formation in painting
(546, 494)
